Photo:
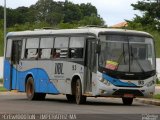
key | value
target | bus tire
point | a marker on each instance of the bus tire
(30, 91)
(80, 99)
(71, 98)
(127, 101)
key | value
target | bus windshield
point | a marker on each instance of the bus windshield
(131, 54)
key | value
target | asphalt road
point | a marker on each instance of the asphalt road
(17, 103)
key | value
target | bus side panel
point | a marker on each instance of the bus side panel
(44, 72)
(63, 73)
(7, 74)
(42, 81)
(10, 76)
(40, 76)
(14, 77)
(21, 81)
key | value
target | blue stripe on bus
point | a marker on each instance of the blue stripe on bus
(117, 82)
(40, 76)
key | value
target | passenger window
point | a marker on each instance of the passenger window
(61, 47)
(46, 46)
(76, 47)
(31, 51)
(9, 47)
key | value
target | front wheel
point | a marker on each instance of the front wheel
(80, 99)
(127, 101)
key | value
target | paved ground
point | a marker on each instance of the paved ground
(17, 103)
(94, 109)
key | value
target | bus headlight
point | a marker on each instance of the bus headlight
(106, 82)
(150, 83)
(102, 80)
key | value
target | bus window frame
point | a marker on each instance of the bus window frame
(85, 36)
(35, 58)
(40, 49)
(84, 46)
(6, 48)
(59, 58)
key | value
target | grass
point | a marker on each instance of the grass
(1, 80)
(157, 96)
(2, 89)
(157, 81)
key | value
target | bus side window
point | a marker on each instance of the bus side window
(56, 53)
(46, 46)
(76, 52)
(31, 51)
(61, 47)
(9, 48)
(76, 47)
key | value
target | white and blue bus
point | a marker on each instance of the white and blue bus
(81, 63)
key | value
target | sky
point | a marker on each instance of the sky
(112, 11)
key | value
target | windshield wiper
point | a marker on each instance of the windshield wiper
(132, 55)
(123, 55)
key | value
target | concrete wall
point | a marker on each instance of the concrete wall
(1, 67)
(158, 67)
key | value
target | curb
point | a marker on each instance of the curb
(11, 93)
(148, 101)
(14, 91)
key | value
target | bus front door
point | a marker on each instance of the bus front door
(90, 63)
(15, 58)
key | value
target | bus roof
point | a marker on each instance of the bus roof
(94, 31)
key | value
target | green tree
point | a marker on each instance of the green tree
(47, 11)
(88, 9)
(72, 12)
(1, 38)
(92, 20)
(149, 21)
(1, 12)
(151, 13)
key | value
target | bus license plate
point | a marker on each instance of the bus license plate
(128, 95)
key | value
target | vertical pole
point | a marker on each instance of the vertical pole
(5, 20)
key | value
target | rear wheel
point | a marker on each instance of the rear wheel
(127, 101)
(30, 91)
(80, 99)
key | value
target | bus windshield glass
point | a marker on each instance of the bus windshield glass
(131, 54)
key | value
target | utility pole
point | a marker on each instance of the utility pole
(5, 19)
